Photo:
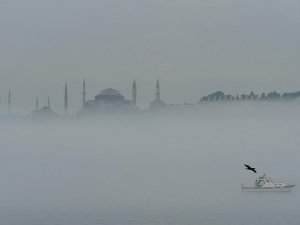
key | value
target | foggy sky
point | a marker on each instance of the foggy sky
(193, 47)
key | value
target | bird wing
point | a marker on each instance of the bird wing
(247, 166)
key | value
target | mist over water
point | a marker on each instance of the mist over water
(181, 168)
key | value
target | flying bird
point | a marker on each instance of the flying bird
(250, 168)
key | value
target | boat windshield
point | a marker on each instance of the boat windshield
(262, 180)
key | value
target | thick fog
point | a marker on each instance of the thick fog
(180, 168)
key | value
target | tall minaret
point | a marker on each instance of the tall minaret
(83, 94)
(157, 94)
(9, 100)
(134, 92)
(49, 104)
(37, 104)
(66, 103)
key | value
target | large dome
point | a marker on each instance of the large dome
(110, 92)
(110, 95)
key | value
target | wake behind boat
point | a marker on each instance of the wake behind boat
(264, 183)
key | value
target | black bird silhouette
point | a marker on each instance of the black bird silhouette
(250, 168)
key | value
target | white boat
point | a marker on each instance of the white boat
(264, 183)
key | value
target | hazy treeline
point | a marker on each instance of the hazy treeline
(271, 96)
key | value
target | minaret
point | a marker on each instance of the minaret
(9, 101)
(49, 104)
(66, 103)
(83, 94)
(157, 97)
(37, 105)
(134, 92)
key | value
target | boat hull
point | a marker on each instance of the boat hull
(286, 188)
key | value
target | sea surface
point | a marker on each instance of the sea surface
(181, 168)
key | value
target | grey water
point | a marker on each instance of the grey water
(184, 168)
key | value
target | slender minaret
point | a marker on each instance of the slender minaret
(134, 92)
(157, 90)
(66, 103)
(83, 94)
(37, 104)
(9, 101)
(49, 104)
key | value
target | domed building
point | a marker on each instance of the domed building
(44, 113)
(109, 101)
(111, 96)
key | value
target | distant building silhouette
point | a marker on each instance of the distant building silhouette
(252, 96)
(9, 100)
(263, 96)
(112, 101)
(134, 92)
(83, 94)
(44, 113)
(108, 101)
(215, 96)
(291, 95)
(271, 96)
(66, 103)
(157, 91)
(157, 103)
(37, 104)
(49, 103)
